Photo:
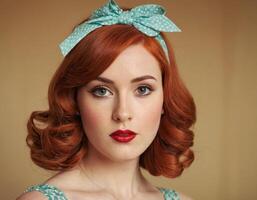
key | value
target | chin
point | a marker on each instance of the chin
(124, 156)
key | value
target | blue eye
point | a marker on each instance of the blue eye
(99, 91)
(145, 88)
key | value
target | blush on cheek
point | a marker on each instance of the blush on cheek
(153, 108)
(155, 116)
(150, 124)
(90, 117)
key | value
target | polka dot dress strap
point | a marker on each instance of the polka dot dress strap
(169, 194)
(50, 191)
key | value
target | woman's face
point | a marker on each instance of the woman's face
(123, 104)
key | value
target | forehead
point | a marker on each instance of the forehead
(133, 61)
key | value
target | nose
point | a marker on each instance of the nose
(121, 111)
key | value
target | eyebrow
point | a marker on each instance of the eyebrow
(141, 78)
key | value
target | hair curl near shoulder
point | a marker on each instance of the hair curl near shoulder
(56, 137)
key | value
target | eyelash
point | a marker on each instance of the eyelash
(99, 87)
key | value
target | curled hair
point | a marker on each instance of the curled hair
(56, 137)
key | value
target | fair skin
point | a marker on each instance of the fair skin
(111, 169)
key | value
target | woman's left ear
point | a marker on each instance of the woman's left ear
(162, 111)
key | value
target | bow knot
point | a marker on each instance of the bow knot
(126, 17)
(150, 19)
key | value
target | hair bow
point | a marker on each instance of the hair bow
(150, 19)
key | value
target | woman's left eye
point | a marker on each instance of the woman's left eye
(142, 90)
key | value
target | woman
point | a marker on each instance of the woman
(116, 104)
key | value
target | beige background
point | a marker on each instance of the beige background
(216, 54)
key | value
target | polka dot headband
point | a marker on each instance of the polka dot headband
(149, 19)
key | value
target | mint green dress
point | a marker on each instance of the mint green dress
(53, 193)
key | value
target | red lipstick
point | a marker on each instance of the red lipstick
(123, 135)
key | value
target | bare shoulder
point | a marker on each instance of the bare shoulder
(183, 196)
(32, 196)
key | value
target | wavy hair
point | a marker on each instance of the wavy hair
(56, 137)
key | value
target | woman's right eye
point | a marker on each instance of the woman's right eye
(99, 91)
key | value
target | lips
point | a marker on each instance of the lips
(123, 135)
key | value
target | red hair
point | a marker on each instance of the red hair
(61, 143)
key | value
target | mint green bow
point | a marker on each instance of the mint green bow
(149, 19)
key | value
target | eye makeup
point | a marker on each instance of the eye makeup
(146, 87)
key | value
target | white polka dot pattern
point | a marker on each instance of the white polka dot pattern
(50, 191)
(54, 193)
(169, 194)
(149, 19)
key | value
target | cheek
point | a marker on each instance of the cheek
(91, 116)
(151, 115)
(153, 118)
(152, 109)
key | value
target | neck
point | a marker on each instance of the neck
(123, 178)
